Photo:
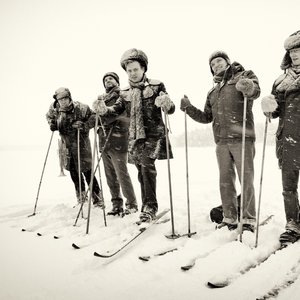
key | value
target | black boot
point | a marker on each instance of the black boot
(116, 211)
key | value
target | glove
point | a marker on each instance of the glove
(53, 127)
(163, 101)
(245, 86)
(78, 125)
(100, 107)
(184, 103)
(268, 104)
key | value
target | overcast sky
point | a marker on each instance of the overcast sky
(46, 44)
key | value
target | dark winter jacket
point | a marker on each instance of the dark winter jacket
(152, 117)
(224, 107)
(118, 138)
(288, 133)
(78, 112)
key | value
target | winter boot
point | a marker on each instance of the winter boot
(98, 201)
(229, 226)
(289, 237)
(116, 211)
(146, 217)
(248, 227)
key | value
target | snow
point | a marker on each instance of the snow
(41, 267)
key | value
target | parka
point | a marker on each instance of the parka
(288, 133)
(79, 112)
(224, 107)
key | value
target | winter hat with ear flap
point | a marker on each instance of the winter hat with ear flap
(293, 41)
(218, 54)
(134, 54)
(61, 93)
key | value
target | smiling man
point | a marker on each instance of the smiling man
(224, 108)
(144, 100)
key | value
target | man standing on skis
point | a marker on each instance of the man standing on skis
(284, 103)
(68, 116)
(145, 100)
(224, 107)
(113, 141)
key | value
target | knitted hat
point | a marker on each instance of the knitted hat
(134, 54)
(218, 54)
(62, 93)
(293, 41)
(113, 75)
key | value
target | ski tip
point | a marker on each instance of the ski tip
(186, 268)
(100, 255)
(144, 258)
(75, 246)
(39, 234)
(216, 285)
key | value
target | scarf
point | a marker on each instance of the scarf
(62, 117)
(136, 126)
(113, 93)
(292, 74)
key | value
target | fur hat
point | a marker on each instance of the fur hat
(134, 54)
(62, 93)
(112, 74)
(293, 41)
(216, 54)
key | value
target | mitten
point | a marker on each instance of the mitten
(268, 104)
(100, 107)
(163, 101)
(184, 103)
(245, 86)
(53, 126)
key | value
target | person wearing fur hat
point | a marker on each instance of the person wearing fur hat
(114, 135)
(144, 100)
(284, 103)
(68, 116)
(224, 108)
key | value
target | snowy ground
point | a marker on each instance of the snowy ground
(41, 267)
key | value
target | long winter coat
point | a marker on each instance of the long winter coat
(79, 112)
(288, 132)
(224, 107)
(118, 138)
(152, 117)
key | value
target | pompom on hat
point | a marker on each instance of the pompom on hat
(113, 75)
(134, 54)
(62, 93)
(293, 41)
(216, 54)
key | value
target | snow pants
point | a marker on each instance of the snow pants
(290, 179)
(117, 176)
(229, 156)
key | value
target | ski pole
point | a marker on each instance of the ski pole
(99, 159)
(189, 234)
(243, 168)
(261, 180)
(92, 177)
(173, 235)
(38, 192)
(81, 201)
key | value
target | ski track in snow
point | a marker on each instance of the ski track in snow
(60, 272)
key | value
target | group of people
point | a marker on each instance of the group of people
(131, 128)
